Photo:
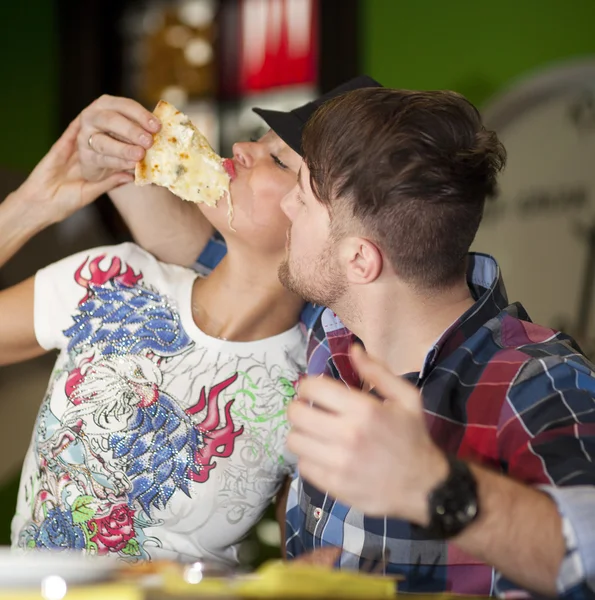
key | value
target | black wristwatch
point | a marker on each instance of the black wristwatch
(453, 504)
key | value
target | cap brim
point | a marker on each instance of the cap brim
(286, 125)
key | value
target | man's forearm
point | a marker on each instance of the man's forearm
(173, 230)
(18, 224)
(519, 532)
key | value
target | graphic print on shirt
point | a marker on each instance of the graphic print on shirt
(243, 481)
(115, 447)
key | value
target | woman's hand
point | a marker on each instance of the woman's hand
(114, 135)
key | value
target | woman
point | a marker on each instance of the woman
(162, 432)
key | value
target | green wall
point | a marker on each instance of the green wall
(28, 80)
(472, 46)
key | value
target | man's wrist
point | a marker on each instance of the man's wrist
(453, 504)
(433, 472)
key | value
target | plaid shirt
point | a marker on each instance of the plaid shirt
(537, 427)
(497, 390)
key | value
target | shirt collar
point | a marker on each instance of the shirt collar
(487, 288)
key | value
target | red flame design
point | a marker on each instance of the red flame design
(217, 442)
(74, 379)
(100, 277)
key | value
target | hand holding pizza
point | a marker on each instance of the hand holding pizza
(115, 134)
(56, 188)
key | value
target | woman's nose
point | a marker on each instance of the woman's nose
(243, 154)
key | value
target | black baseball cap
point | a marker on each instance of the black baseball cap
(289, 125)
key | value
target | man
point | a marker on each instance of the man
(101, 158)
(389, 198)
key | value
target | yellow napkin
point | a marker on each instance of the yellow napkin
(112, 591)
(279, 579)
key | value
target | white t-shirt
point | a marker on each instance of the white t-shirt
(153, 440)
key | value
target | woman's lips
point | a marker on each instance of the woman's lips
(230, 168)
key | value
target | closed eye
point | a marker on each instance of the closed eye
(279, 162)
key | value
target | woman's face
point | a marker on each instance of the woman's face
(265, 171)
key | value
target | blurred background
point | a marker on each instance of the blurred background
(529, 66)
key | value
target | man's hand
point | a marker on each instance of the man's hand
(322, 557)
(376, 456)
(115, 133)
(55, 188)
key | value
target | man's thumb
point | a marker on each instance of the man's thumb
(391, 387)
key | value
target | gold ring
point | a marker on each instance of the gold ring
(90, 142)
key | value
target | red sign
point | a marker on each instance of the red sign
(278, 43)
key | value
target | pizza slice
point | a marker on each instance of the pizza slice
(182, 160)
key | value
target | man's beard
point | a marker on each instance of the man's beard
(322, 284)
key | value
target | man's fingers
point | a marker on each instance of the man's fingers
(326, 393)
(318, 423)
(382, 380)
(324, 557)
(318, 476)
(305, 447)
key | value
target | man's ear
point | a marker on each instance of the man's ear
(362, 260)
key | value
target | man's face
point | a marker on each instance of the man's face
(311, 267)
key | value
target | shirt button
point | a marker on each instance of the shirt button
(317, 513)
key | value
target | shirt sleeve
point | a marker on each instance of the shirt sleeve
(546, 438)
(576, 506)
(211, 255)
(546, 431)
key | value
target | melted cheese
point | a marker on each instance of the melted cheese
(182, 160)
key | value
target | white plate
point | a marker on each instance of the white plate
(19, 569)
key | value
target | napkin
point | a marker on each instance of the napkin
(280, 579)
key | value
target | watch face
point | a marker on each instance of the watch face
(467, 514)
(453, 504)
(541, 227)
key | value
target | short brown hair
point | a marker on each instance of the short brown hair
(413, 168)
